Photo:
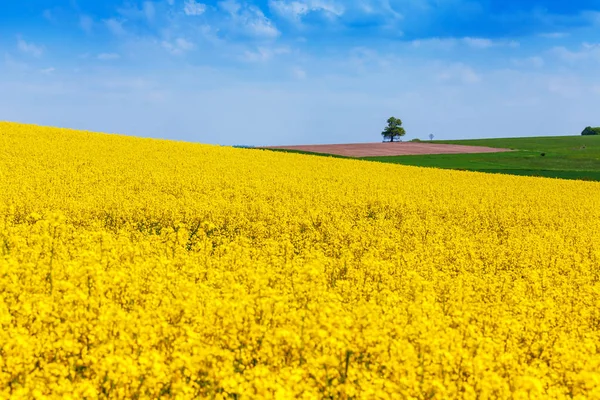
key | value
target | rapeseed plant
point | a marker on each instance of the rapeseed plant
(138, 268)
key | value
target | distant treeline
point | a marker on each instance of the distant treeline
(591, 131)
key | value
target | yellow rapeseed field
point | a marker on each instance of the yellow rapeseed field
(140, 268)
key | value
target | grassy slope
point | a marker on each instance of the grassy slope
(567, 157)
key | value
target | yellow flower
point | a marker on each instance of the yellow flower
(154, 269)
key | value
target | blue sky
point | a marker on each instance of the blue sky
(274, 72)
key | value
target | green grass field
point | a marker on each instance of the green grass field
(566, 157)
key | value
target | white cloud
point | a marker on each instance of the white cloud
(86, 23)
(472, 42)
(478, 43)
(29, 48)
(47, 14)
(588, 51)
(364, 59)
(483, 43)
(535, 61)
(564, 54)
(553, 35)
(249, 19)
(263, 27)
(262, 54)
(130, 11)
(298, 73)
(565, 86)
(380, 7)
(115, 26)
(13, 64)
(438, 43)
(170, 2)
(590, 46)
(193, 8)
(108, 56)
(210, 34)
(295, 10)
(178, 46)
(593, 17)
(231, 6)
(459, 73)
(149, 11)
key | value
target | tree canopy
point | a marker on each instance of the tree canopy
(591, 131)
(393, 129)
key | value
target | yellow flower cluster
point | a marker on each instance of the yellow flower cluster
(140, 268)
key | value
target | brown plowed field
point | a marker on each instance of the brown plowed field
(389, 149)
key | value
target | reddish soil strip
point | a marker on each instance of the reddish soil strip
(389, 149)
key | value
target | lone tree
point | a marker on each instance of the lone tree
(393, 129)
(431, 136)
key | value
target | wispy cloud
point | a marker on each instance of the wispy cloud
(115, 26)
(86, 23)
(149, 10)
(29, 48)
(553, 35)
(108, 56)
(438, 43)
(471, 42)
(193, 8)
(248, 20)
(145, 12)
(298, 73)
(593, 17)
(178, 46)
(262, 54)
(533, 61)
(460, 73)
(586, 52)
(14, 64)
(364, 60)
(478, 43)
(48, 15)
(566, 86)
(296, 10)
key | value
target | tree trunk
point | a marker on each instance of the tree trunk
(391, 138)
